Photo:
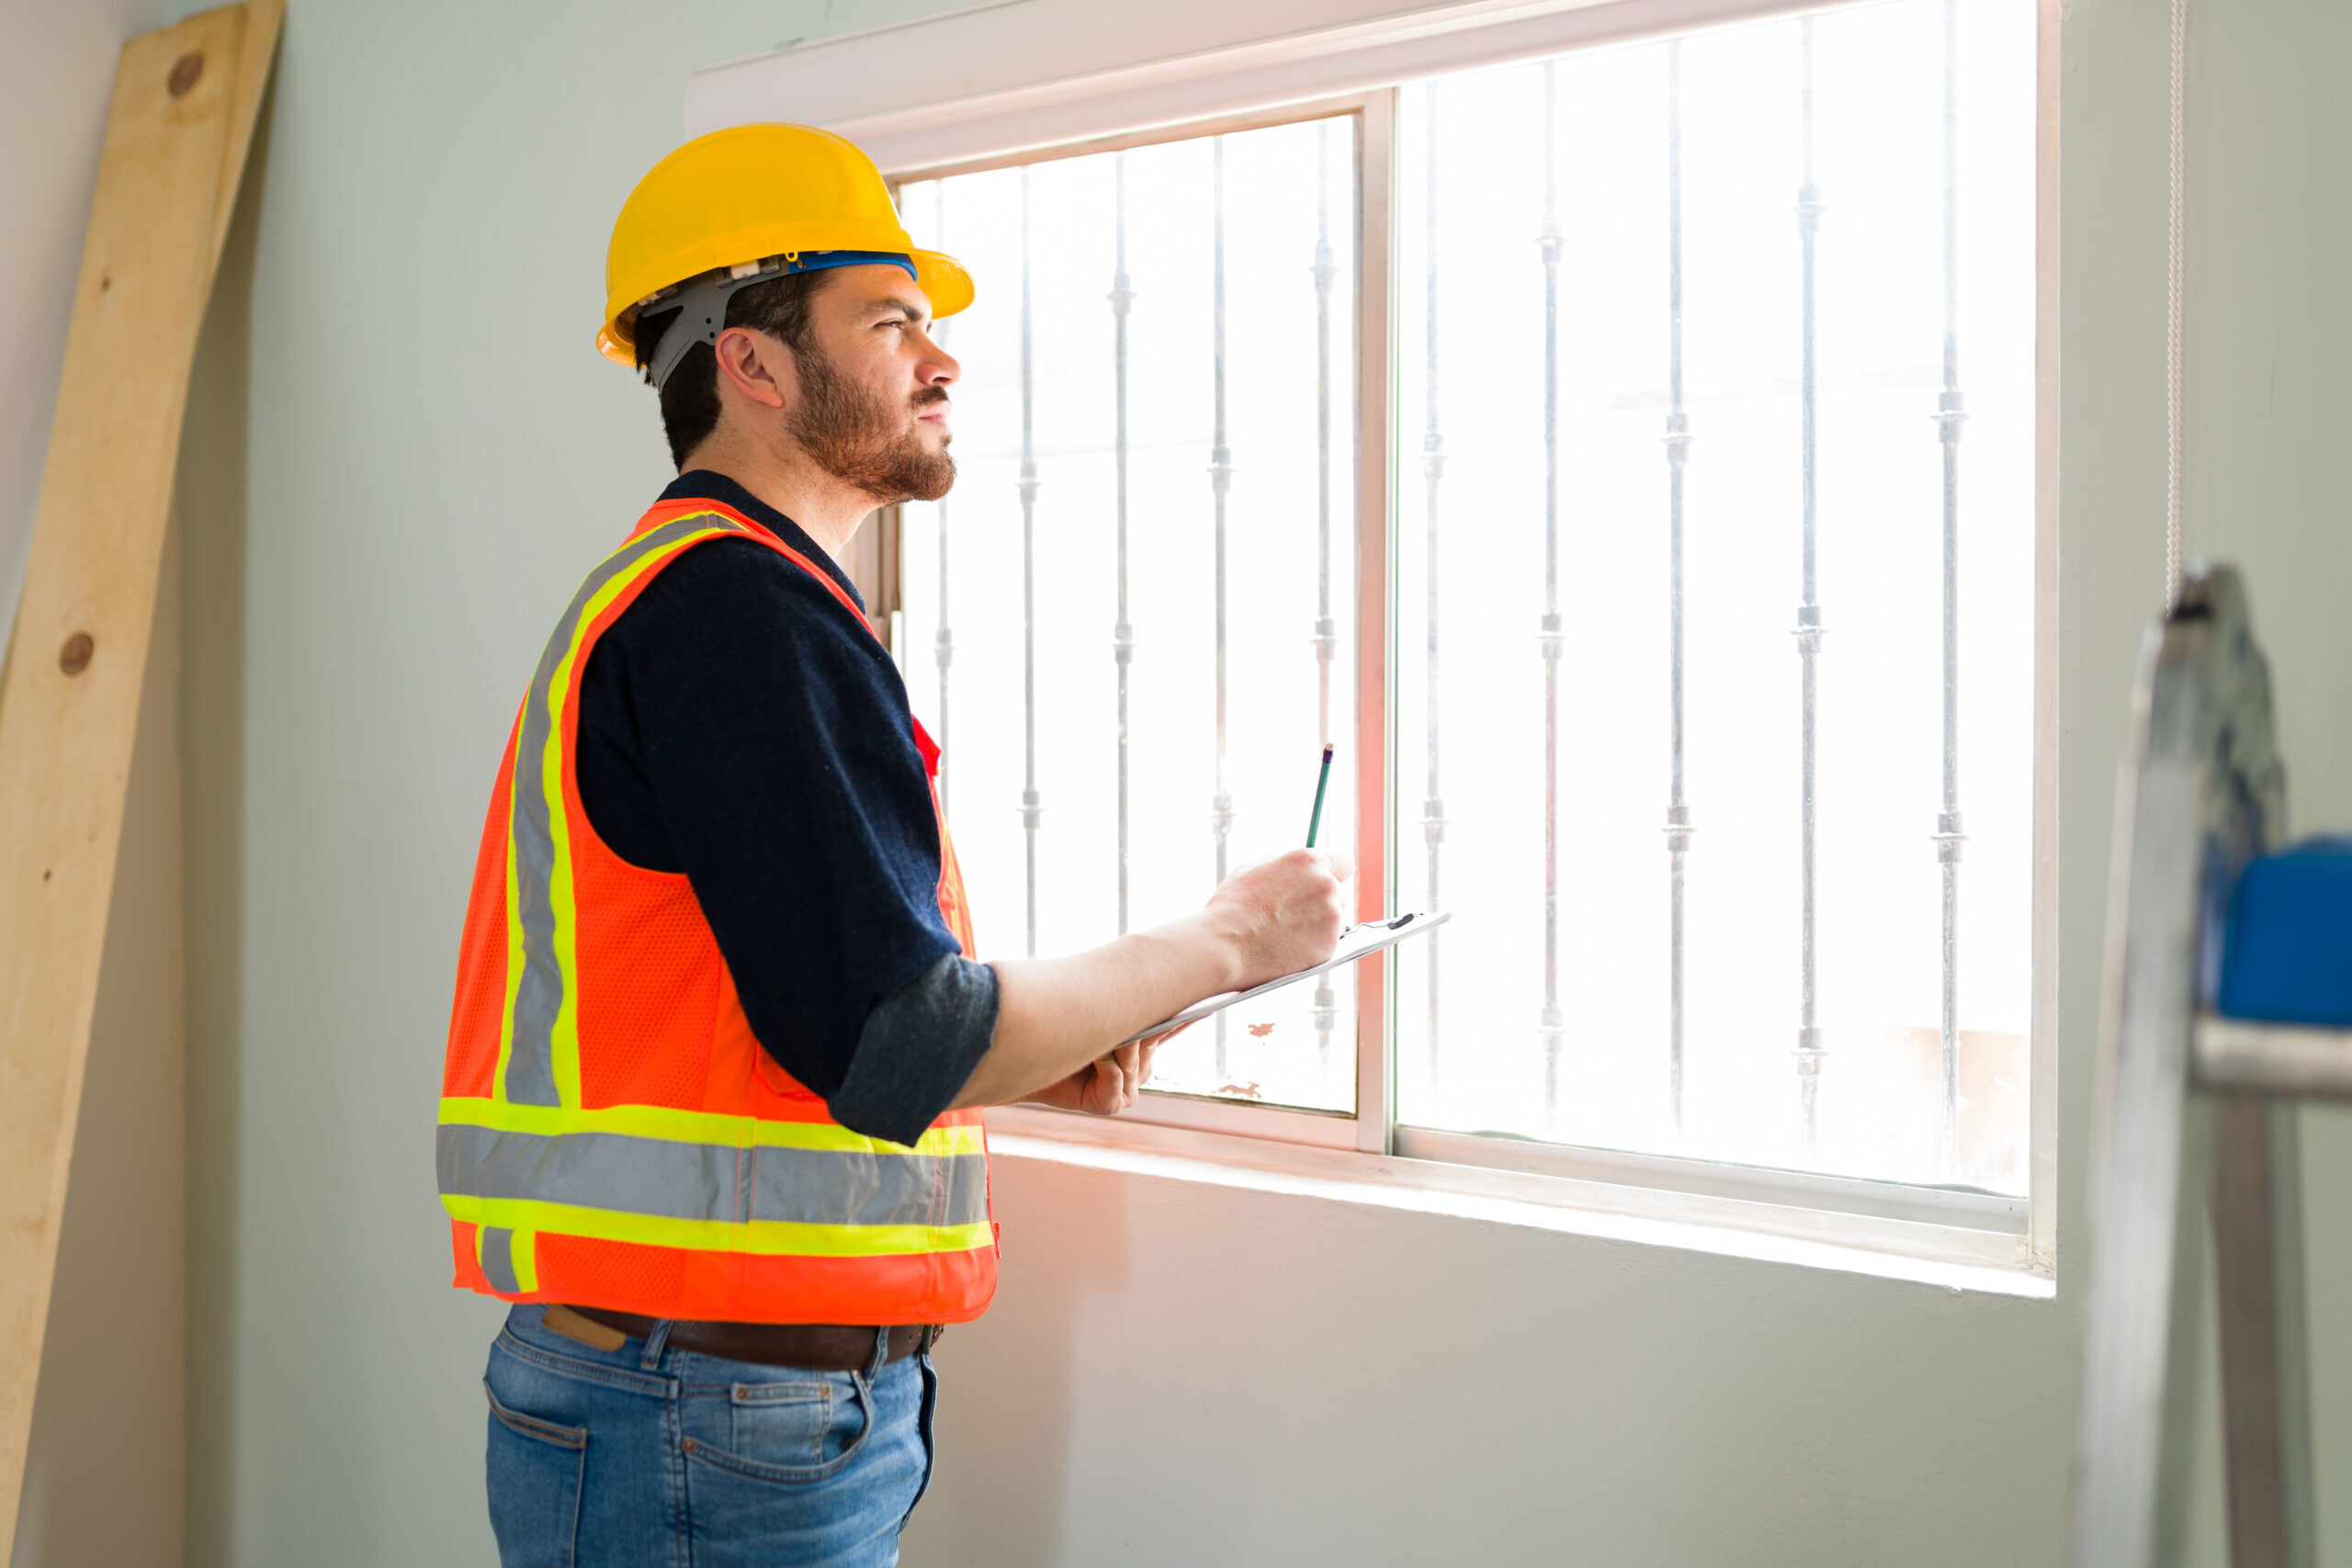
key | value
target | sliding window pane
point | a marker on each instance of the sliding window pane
(1133, 615)
(1714, 654)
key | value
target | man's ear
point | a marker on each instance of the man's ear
(758, 366)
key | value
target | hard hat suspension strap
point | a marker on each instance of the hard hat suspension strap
(702, 304)
(702, 315)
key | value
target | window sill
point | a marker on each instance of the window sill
(1961, 1255)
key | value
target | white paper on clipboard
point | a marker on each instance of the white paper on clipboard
(1356, 942)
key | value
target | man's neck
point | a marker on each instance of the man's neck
(827, 510)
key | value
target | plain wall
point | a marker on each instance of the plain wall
(104, 1468)
(405, 453)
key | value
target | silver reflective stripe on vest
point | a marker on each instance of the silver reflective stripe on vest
(498, 1260)
(538, 993)
(712, 1181)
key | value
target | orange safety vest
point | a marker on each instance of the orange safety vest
(611, 1132)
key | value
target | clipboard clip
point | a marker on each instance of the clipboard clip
(1394, 923)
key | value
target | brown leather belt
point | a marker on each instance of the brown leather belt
(816, 1346)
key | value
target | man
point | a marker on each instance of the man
(710, 1114)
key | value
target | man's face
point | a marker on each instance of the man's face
(873, 406)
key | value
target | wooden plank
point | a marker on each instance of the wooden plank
(185, 102)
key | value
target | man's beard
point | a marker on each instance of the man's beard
(858, 437)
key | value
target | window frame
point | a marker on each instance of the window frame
(1372, 119)
(1948, 1224)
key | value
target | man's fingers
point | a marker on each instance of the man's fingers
(1122, 1075)
(1123, 1088)
(1113, 1081)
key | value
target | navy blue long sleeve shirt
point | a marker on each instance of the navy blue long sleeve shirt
(739, 724)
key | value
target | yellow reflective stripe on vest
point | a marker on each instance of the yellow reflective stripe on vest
(538, 1047)
(765, 1237)
(702, 1127)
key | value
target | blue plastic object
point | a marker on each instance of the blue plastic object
(2286, 955)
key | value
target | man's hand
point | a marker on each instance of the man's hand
(1055, 1015)
(1287, 913)
(1106, 1087)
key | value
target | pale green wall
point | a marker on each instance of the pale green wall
(409, 454)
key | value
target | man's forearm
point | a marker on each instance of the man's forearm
(1056, 1015)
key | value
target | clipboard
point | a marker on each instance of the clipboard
(1356, 942)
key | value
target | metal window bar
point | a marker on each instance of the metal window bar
(1325, 1010)
(1123, 639)
(1029, 800)
(1220, 483)
(1808, 628)
(943, 644)
(1368, 402)
(1548, 637)
(1678, 447)
(1433, 471)
(1948, 837)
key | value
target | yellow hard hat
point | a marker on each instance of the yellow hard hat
(748, 195)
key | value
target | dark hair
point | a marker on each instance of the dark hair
(690, 397)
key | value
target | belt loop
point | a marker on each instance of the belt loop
(881, 1352)
(656, 1341)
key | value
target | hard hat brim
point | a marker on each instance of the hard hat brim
(941, 277)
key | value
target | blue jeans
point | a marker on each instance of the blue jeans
(649, 1456)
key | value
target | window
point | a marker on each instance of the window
(1627, 460)
(1140, 595)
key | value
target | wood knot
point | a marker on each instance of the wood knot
(74, 656)
(187, 71)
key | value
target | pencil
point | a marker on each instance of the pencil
(1322, 779)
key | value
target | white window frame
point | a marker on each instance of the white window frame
(1370, 1129)
(1262, 74)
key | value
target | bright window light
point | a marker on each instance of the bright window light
(1712, 403)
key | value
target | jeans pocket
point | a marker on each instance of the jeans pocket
(784, 1423)
(844, 1510)
(534, 1469)
(791, 1431)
